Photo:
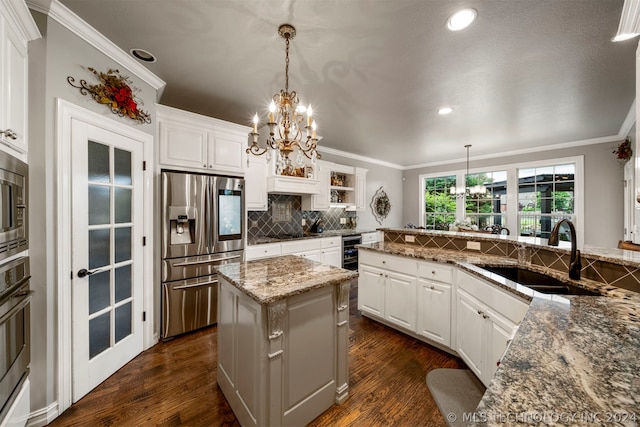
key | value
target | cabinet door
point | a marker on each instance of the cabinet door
(371, 290)
(255, 177)
(500, 332)
(183, 145)
(226, 152)
(313, 255)
(15, 88)
(470, 332)
(400, 299)
(331, 256)
(434, 311)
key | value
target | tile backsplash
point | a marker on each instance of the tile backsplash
(284, 215)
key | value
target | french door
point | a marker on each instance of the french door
(106, 253)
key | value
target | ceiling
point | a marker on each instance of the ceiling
(526, 74)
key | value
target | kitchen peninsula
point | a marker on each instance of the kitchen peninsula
(283, 330)
(571, 361)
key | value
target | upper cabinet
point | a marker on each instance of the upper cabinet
(17, 28)
(195, 142)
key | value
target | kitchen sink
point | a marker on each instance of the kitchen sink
(539, 282)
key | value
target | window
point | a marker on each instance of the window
(439, 204)
(528, 199)
(545, 196)
(490, 208)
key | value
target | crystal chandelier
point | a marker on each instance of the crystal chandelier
(287, 120)
(465, 191)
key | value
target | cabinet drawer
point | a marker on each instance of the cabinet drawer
(331, 242)
(388, 262)
(262, 251)
(438, 272)
(369, 237)
(504, 303)
(300, 246)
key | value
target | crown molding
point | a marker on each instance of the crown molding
(546, 148)
(359, 157)
(65, 17)
(23, 19)
(629, 121)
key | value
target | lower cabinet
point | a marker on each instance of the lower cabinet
(486, 321)
(441, 304)
(399, 298)
(327, 250)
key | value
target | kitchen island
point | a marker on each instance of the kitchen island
(283, 326)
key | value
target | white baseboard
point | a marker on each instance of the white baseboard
(43, 416)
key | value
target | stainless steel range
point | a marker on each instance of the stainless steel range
(203, 227)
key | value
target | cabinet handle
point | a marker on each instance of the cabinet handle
(9, 133)
(433, 272)
(433, 287)
(480, 312)
(204, 166)
(380, 274)
(384, 262)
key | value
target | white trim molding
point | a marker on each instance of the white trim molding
(66, 113)
(56, 10)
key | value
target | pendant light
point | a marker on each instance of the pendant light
(464, 190)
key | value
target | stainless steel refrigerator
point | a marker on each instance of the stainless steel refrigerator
(203, 226)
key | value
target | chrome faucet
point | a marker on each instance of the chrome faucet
(574, 263)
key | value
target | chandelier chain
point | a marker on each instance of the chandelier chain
(286, 65)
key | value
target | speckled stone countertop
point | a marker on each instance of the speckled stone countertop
(326, 233)
(574, 359)
(572, 363)
(271, 279)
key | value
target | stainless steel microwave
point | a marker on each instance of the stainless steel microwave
(14, 175)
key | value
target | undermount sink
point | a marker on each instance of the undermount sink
(539, 282)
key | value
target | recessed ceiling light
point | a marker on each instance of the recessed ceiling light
(142, 55)
(445, 110)
(461, 19)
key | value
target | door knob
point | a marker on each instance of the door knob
(84, 272)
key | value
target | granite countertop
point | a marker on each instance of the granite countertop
(574, 359)
(272, 279)
(572, 363)
(326, 233)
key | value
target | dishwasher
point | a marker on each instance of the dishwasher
(350, 252)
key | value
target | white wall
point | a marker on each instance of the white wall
(604, 189)
(59, 54)
(389, 179)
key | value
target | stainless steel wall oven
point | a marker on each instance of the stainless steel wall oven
(13, 196)
(15, 296)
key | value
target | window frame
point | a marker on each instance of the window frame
(512, 189)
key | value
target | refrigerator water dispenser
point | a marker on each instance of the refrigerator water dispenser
(182, 224)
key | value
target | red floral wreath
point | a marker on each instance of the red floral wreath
(115, 92)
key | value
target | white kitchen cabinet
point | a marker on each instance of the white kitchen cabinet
(434, 284)
(195, 142)
(255, 184)
(387, 288)
(319, 201)
(348, 187)
(486, 320)
(370, 237)
(371, 286)
(266, 250)
(400, 299)
(17, 28)
(331, 251)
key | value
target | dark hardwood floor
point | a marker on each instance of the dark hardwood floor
(174, 384)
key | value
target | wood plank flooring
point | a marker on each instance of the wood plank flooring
(174, 384)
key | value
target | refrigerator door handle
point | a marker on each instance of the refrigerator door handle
(197, 285)
(206, 261)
